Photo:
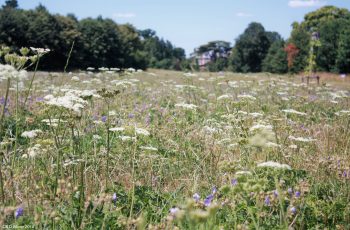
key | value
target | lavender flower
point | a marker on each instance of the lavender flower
(293, 210)
(290, 191)
(214, 190)
(267, 201)
(173, 211)
(104, 118)
(208, 200)
(114, 197)
(234, 182)
(275, 193)
(196, 197)
(131, 115)
(19, 212)
(297, 194)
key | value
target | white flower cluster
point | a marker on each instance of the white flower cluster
(186, 106)
(271, 164)
(292, 111)
(302, 139)
(9, 72)
(246, 97)
(69, 101)
(40, 51)
(143, 132)
(31, 134)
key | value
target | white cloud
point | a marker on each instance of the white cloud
(243, 15)
(305, 3)
(124, 15)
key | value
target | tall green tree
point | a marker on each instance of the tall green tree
(276, 59)
(11, 4)
(343, 54)
(250, 49)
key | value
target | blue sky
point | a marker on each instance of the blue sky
(190, 23)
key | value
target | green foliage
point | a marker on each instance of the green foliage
(276, 59)
(343, 54)
(330, 22)
(161, 53)
(98, 42)
(250, 49)
(301, 39)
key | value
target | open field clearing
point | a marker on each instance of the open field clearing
(168, 150)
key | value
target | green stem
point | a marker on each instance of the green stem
(4, 107)
(69, 55)
(31, 82)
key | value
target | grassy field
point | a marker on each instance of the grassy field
(168, 150)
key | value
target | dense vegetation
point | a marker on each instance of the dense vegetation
(167, 150)
(97, 42)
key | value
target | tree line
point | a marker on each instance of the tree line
(100, 42)
(95, 42)
(257, 50)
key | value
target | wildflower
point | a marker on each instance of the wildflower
(117, 129)
(19, 212)
(267, 201)
(292, 111)
(214, 190)
(196, 197)
(243, 173)
(301, 139)
(143, 132)
(104, 118)
(271, 164)
(275, 193)
(290, 191)
(234, 182)
(224, 97)
(75, 78)
(40, 51)
(247, 97)
(114, 197)
(186, 106)
(31, 134)
(174, 210)
(131, 115)
(297, 194)
(208, 200)
(68, 101)
(293, 210)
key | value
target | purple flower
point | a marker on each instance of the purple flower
(214, 190)
(275, 193)
(208, 200)
(293, 210)
(104, 118)
(131, 115)
(297, 194)
(234, 182)
(345, 174)
(19, 212)
(173, 211)
(196, 197)
(290, 191)
(267, 201)
(114, 197)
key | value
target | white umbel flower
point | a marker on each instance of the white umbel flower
(143, 132)
(31, 134)
(186, 106)
(271, 164)
(292, 111)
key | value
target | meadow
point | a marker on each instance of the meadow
(102, 149)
